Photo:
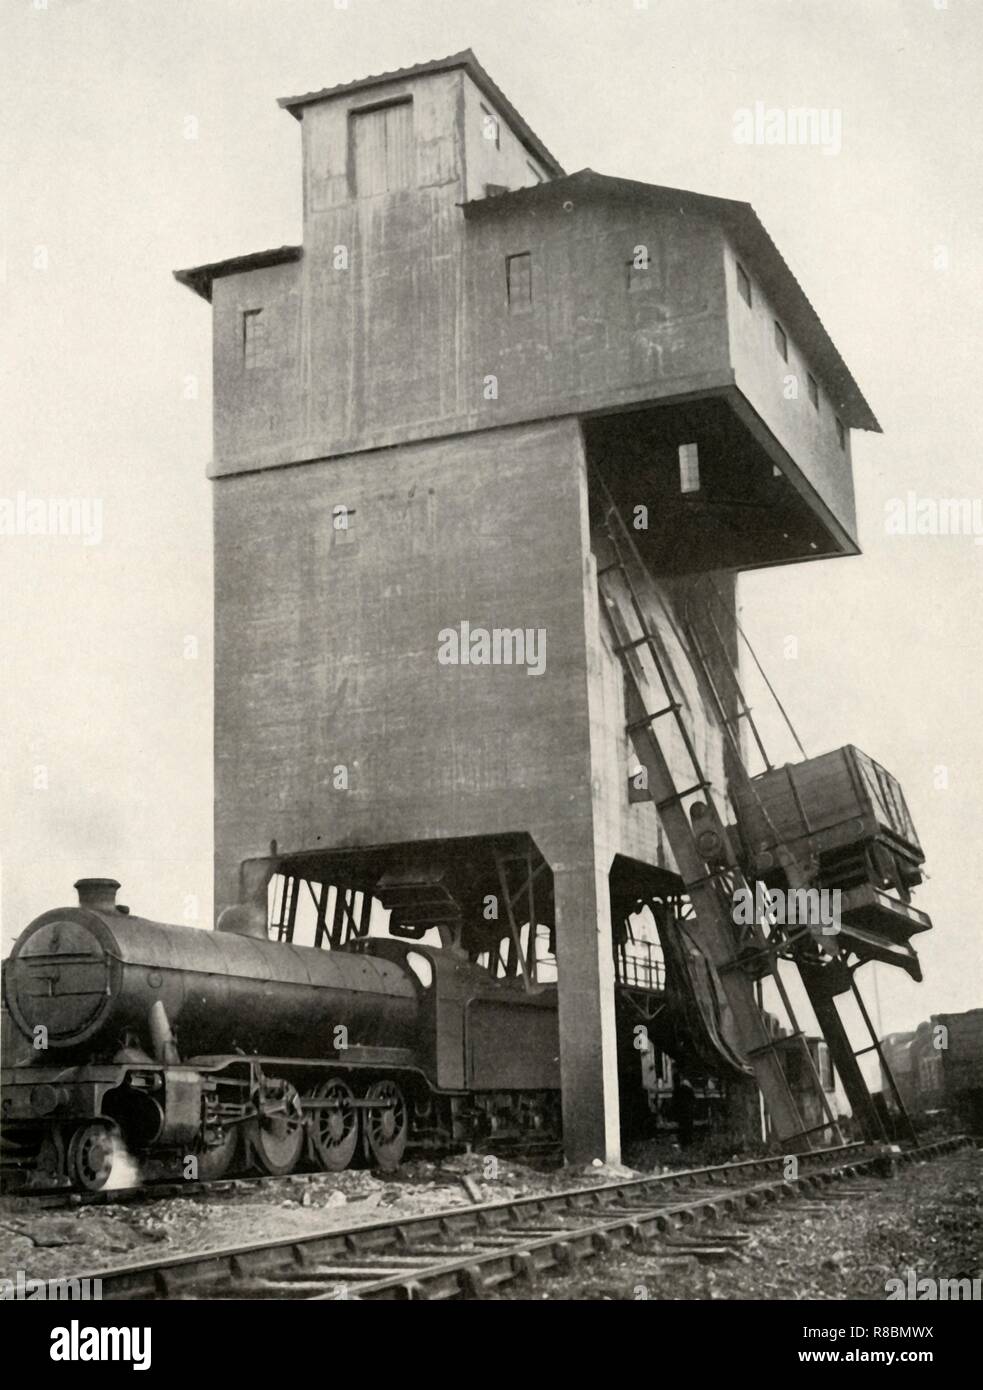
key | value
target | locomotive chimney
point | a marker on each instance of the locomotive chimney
(97, 892)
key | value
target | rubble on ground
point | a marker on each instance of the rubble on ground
(55, 1242)
(847, 1241)
(841, 1244)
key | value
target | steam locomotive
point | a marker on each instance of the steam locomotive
(289, 1055)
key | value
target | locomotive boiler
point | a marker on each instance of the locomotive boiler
(173, 1044)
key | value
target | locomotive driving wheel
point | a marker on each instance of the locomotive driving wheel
(276, 1136)
(386, 1126)
(216, 1160)
(90, 1156)
(333, 1133)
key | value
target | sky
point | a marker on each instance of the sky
(137, 136)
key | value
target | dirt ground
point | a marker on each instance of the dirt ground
(51, 1243)
(845, 1245)
(848, 1244)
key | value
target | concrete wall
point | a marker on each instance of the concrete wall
(596, 336)
(452, 150)
(807, 434)
(326, 647)
(400, 345)
(396, 325)
(263, 409)
(326, 656)
(367, 339)
(438, 113)
(507, 163)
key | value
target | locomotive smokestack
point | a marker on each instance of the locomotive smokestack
(97, 892)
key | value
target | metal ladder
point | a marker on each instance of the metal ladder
(822, 982)
(704, 856)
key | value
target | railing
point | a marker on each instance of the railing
(640, 964)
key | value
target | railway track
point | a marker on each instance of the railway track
(472, 1251)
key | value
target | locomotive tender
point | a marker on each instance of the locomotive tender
(288, 1054)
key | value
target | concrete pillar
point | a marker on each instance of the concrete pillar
(581, 854)
(585, 987)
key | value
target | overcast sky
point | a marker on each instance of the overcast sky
(143, 135)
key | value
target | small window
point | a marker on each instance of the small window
(689, 468)
(490, 129)
(545, 954)
(781, 341)
(813, 390)
(825, 1067)
(743, 284)
(422, 967)
(518, 281)
(253, 339)
(840, 434)
(383, 157)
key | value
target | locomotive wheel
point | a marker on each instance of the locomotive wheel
(333, 1134)
(90, 1156)
(215, 1162)
(277, 1141)
(385, 1131)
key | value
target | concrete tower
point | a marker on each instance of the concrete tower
(418, 414)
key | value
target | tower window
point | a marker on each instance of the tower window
(382, 153)
(689, 468)
(781, 341)
(490, 129)
(813, 390)
(743, 284)
(518, 280)
(254, 346)
(840, 434)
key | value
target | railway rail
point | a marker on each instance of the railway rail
(471, 1251)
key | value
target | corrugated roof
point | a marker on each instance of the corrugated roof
(750, 238)
(466, 60)
(199, 277)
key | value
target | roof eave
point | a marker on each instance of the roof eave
(199, 278)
